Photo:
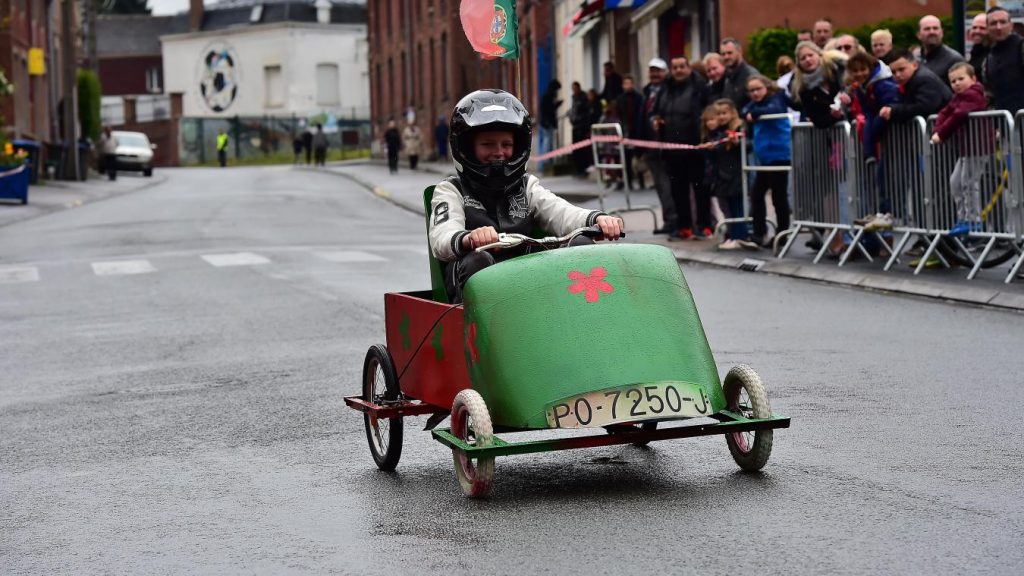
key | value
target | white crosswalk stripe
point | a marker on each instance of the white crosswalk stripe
(346, 256)
(235, 259)
(16, 274)
(121, 267)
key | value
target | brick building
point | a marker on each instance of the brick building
(129, 52)
(31, 29)
(419, 57)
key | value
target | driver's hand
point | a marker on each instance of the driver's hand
(611, 226)
(480, 237)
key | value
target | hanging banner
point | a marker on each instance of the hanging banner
(36, 62)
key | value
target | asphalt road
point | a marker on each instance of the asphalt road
(179, 411)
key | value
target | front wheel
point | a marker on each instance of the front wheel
(471, 422)
(745, 394)
(148, 172)
(380, 386)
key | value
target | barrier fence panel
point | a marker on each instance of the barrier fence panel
(972, 220)
(1016, 200)
(749, 168)
(823, 181)
(610, 154)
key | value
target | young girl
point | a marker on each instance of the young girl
(724, 166)
(772, 147)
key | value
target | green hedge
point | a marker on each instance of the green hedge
(766, 45)
(89, 93)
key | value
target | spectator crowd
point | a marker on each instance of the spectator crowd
(708, 103)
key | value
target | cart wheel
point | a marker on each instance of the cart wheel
(470, 420)
(380, 384)
(744, 393)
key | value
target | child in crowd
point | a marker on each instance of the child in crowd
(723, 174)
(772, 147)
(965, 181)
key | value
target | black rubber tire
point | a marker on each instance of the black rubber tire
(148, 172)
(750, 450)
(383, 435)
(1001, 253)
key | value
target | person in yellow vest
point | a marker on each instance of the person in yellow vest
(222, 148)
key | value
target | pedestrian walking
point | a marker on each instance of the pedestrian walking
(108, 153)
(222, 148)
(412, 142)
(441, 138)
(393, 142)
(307, 145)
(320, 145)
(297, 148)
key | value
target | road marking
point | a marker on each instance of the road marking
(235, 259)
(14, 275)
(350, 256)
(118, 267)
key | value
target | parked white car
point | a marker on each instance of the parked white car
(134, 152)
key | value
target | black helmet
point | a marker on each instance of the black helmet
(483, 110)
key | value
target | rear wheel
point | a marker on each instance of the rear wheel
(380, 386)
(147, 172)
(1001, 253)
(745, 394)
(471, 422)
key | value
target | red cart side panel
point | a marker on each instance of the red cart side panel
(429, 353)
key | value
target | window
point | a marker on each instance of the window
(153, 80)
(327, 85)
(273, 84)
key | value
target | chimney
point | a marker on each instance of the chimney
(323, 11)
(195, 15)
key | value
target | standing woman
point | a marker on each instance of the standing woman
(579, 117)
(412, 142)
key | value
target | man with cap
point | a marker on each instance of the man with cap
(656, 70)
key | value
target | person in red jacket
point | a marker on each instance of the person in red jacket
(965, 181)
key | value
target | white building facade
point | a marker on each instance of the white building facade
(294, 69)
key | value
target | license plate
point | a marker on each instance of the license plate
(633, 403)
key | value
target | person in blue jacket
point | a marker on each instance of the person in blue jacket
(772, 148)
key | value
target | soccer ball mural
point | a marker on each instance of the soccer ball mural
(218, 76)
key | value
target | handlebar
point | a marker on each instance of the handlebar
(511, 240)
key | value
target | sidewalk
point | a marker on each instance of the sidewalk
(405, 190)
(52, 195)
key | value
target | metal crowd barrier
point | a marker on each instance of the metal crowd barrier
(823, 177)
(749, 168)
(613, 151)
(910, 179)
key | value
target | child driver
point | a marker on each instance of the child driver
(490, 137)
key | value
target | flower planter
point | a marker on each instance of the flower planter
(14, 183)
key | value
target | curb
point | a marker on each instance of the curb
(373, 188)
(987, 297)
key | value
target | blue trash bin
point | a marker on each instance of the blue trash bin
(33, 148)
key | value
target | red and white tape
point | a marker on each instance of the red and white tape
(650, 144)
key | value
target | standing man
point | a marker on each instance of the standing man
(549, 104)
(307, 145)
(1004, 67)
(677, 119)
(320, 146)
(631, 109)
(936, 56)
(822, 32)
(441, 138)
(804, 35)
(980, 45)
(737, 72)
(656, 69)
(612, 83)
(222, 148)
(714, 68)
(393, 142)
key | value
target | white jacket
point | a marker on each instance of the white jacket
(448, 217)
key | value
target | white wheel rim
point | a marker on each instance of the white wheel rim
(463, 432)
(744, 440)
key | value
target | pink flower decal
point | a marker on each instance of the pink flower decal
(591, 285)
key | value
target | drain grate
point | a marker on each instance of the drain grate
(751, 264)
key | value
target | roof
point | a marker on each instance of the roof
(232, 13)
(135, 34)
